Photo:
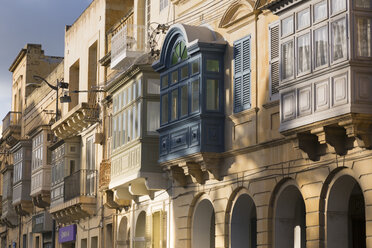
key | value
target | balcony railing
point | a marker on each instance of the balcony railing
(127, 41)
(80, 183)
(11, 119)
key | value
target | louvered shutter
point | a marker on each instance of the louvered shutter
(274, 60)
(242, 74)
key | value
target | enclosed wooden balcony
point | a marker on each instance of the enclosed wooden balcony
(12, 127)
(79, 197)
(8, 214)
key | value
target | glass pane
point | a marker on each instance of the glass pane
(129, 90)
(164, 109)
(129, 124)
(213, 65)
(153, 118)
(364, 36)
(195, 67)
(320, 11)
(364, 4)
(337, 6)
(153, 86)
(212, 94)
(184, 98)
(164, 81)
(287, 26)
(195, 95)
(174, 77)
(183, 51)
(287, 60)
(321, 46)
(123, 134)
(303, 49)
(174, 104)
(184, 72)
(339, 39)
(124, 97)
(303, 19)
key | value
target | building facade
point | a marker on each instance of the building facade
(195, 124)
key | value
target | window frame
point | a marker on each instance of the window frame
(327, 64)
(365, 15)
(346, 57)
(297, 57)
(283, 42)
(310, 17)
(313, 14)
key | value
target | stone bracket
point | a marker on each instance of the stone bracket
(361, 129)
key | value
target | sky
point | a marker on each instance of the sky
(32, 21)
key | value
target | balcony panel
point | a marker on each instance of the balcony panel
(80, 183)
(57, 194)
(8, 215)
(12, 127)
(127, 43)
(40, 187)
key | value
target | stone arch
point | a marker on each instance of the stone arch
(288, 215)
(140, 229)
(123, 235)
(342, 204)
(201, 217)
(235, 12)
(241, 218)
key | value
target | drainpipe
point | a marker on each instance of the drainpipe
(256, 13)
(102, 223)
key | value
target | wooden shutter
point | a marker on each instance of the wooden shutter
(242, 74)
(274, 60)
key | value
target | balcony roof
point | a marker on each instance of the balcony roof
(76, 120)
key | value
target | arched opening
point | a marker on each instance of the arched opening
(140, 239)
(346, 226)
(123, 236)
(290, 219)
(203, 221)
(243, 223)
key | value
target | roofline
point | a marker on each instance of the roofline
(77, 19)
(18, 59)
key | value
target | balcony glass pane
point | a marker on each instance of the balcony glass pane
(213, 65)
(364, 36)
(184, 100)
(363, 4)
(337, 6)
(195, 95)
(164, 108)
(320, 11)
(287, 60)
(321, 46)
(303, 49)
(339, 48)
(195, 67)
(287, 26)
(184, 72)
(212, 94)
(164, 81)
(153, 86)
(174, 107)
(174, 77)
(153, 118)
(303, 19)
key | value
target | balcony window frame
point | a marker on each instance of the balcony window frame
(346, 57)
(313, 14)
(297, 57)
(283, 42)
(331, 13)
(293, 26)
(297, 18)
(362, 9)
(364, 15)
(328, 46)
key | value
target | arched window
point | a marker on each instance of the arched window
(179, 52)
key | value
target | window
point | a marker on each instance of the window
(90, 154)
(174, 77)
(174, 107)
(242, 74)
(195, 96)
(339, 45)
(164, 108)
(37, 151)
(287, 60)
(363, 4)
(320, 11)
(184, 72)
(184, 100)
(212, 94)
(274, 60)
(213, 65)
(337, 6)
(179, 52)
(153, 86)
(303, 51)
(364, 31)
(164, 81)
(321, 46)
(303, 19)
(195, 67)
(287, 26)
(163, 4)
(153, 118)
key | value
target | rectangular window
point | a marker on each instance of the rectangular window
(129, 93)
(124, 133)
(321, 46)
(364, 31)
(184, 102)
(287, 60)
(139, 125)
(174, 106)
(134, 86)
(213, 65)
(303, 50)
(363, 4)
(134, 124)
(287, 26)
(174, 77)
(153, 118)
(153, 86)
(195, 96)
(184, 72)
(164, 81)
(339, 46)
(195, 67)
(274, 60)
(90, 154)
(164, 109)
(337, 6)
(129, 125)
(320, 11)
(303, 19)
(163, 4)
(212, 94)
(242, 74)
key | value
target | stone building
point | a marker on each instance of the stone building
(199, 124)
